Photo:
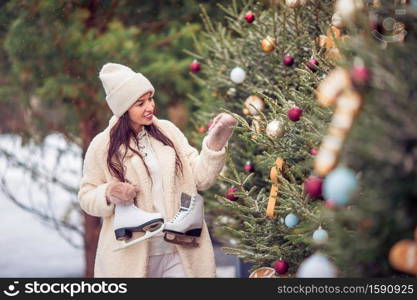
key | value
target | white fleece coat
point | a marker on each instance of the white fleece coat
(200, 172)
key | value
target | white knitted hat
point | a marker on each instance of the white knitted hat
(123, 86)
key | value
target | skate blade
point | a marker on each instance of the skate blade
(148, 234)
(183, 240)
(152, 227)
(124, 234)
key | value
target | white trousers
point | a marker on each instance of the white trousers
(166, 265)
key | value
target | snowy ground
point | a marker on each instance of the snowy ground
(30, 247)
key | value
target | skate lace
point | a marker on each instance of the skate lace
(183, 212)
(178, 215)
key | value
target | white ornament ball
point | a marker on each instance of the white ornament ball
(320, 236)
(347, 9)
(316, 266)
(274, 129)
(238, 75)
(337, 20)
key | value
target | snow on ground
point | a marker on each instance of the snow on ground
(29, 247)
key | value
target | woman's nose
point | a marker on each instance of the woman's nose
(150, 106)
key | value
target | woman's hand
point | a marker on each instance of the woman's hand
(220, 131)
(121, 193)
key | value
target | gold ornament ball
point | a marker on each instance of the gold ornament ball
(403, 256)
(268, 44)
(254, 105)
(274, 129)
(337, 20)
(264, 272)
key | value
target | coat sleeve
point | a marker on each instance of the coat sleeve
(92, 193)
(206, 165)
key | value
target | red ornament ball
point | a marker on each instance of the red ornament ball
(288, 61)
(312, 64)
(313, 151)
(313, 186)
(281, 266)
(250, 17)
(195, 66)
(230, 194)
(248, 167)
(294, 114)
(360, 75)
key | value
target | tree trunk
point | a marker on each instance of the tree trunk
(91, 232)
(92, 225)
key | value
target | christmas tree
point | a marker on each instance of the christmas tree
(263, 65)
(51, 53)
(372, 178)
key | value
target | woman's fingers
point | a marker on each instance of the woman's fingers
(122, 192)
(215, 120)
(224, 118)
(217, 138)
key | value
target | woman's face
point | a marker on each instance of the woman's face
(141, 112)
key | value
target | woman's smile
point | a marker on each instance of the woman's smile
(149, 116)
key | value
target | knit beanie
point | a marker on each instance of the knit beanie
(123, 86)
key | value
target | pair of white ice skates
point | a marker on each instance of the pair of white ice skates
(183, 229)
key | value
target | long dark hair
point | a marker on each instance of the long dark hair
(121, 134)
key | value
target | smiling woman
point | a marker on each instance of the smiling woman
(141, 113)
(141, 176)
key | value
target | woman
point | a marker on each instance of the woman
(141, 166)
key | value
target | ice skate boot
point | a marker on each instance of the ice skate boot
(129, 218)
(186, 226)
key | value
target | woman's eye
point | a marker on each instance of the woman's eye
(141, 103)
